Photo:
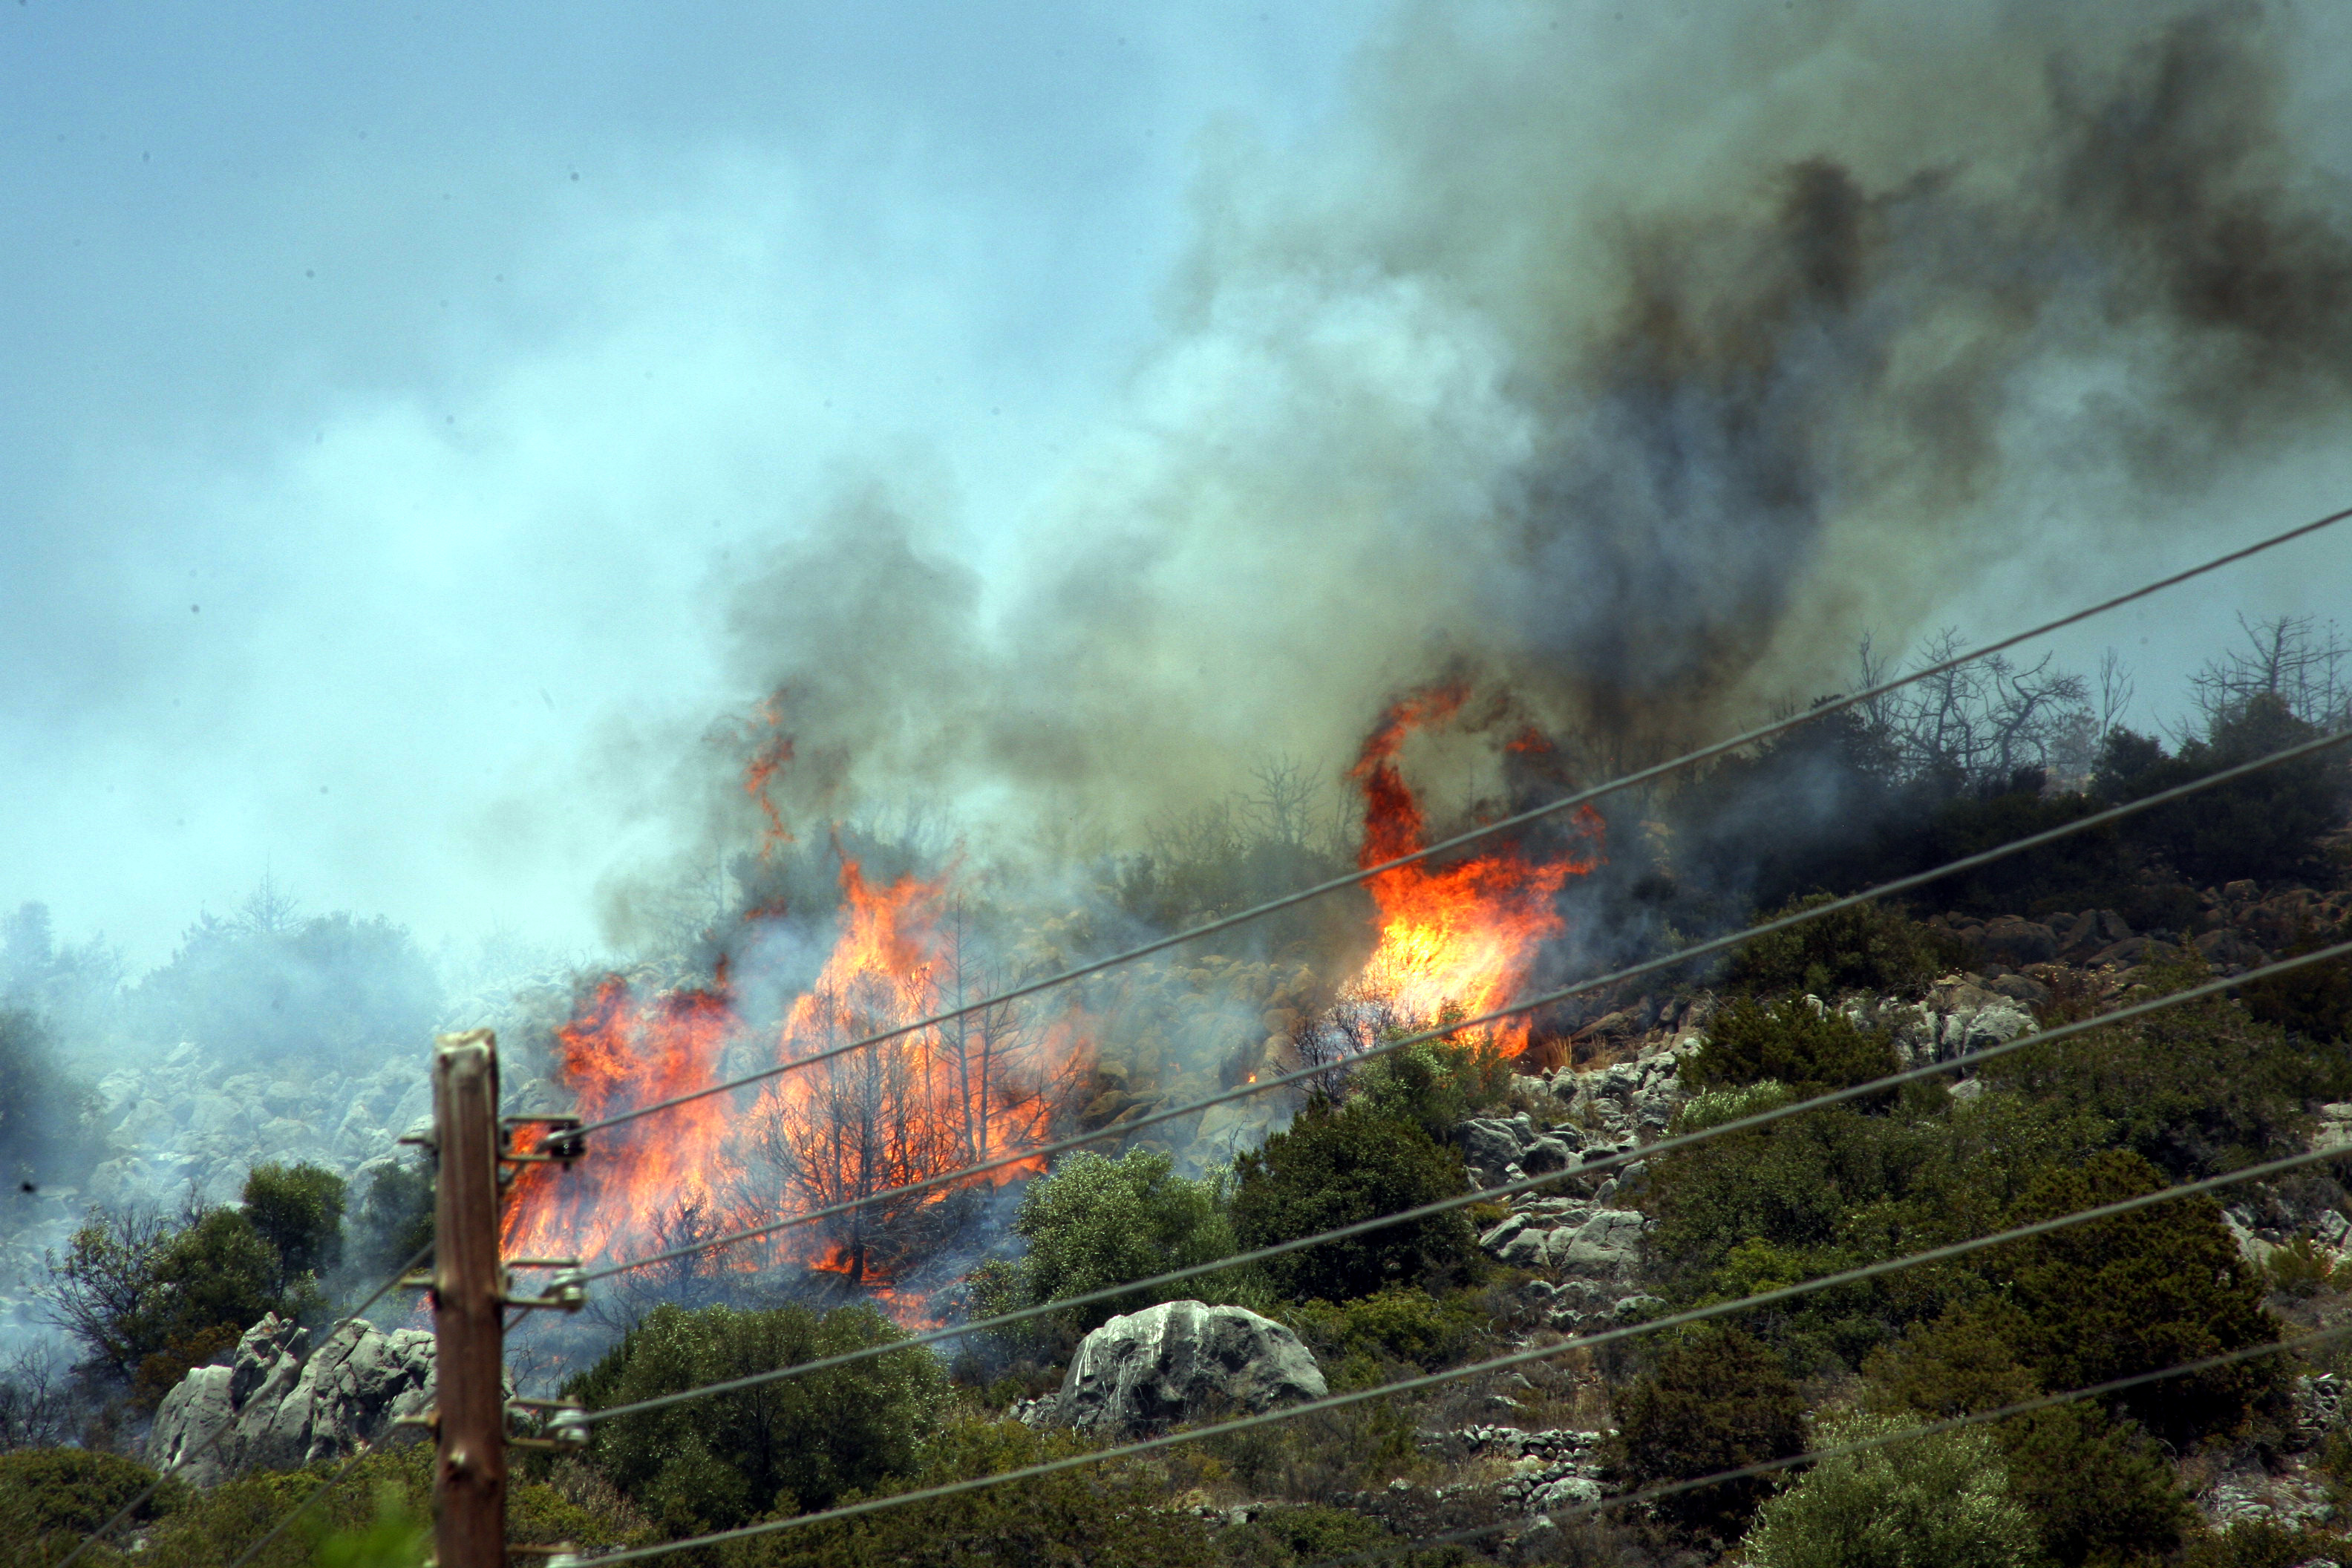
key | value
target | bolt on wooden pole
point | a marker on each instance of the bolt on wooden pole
(469, 1481)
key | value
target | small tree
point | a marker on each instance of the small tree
(1715, 1399)
(1941, 1499)
(300, 1210)
(1334, 1166)
(1096, 1222)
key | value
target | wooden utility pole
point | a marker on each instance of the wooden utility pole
(470, 1480)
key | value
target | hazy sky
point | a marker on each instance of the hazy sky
(389, 388)
(392, 392)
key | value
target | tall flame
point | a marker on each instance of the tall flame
(1462, 936)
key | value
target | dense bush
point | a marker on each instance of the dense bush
(2195, 1089)
(799, 1443)
(2264, 825)
(2313, 1003)
(2136, 1292)
(1096, 1222)
(51, 1498)
(1811, 1049)
(299, 1210)
(2099, 1489)
(1103, 1516)
(1867, 948)
(1436, 1084)
(395, 1219)
(1375, 1337)
(1942, 1498)
(1714, 1400)
(1333, 1166)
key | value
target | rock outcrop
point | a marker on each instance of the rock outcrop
(1179, 1361)
(283, 1410)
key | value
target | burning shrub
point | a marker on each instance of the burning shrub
(1336, 1165)
(717, 1462)
(1096, 1222)
(1715, 1399)
(1809, 1049)
(1867, 948)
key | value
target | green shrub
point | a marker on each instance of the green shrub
(1942, 1498)
(395, 1218)
(1106, 1516)
(54, 1497)
(1336, 1165)
(1436, 1084)
(2195, 1089)
(298, 1209)
(1714, 1400)
(1810, 1050)
(1959, 1365)
(1866, 948)
(800, 1443)
(2099, 1490)
(2257, 1543)
(2314, 1002)
(2136, 1292)
(1364, 1341)
(1096, 1222)
(2265, 825)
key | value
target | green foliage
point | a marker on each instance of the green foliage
(1436, 1084)
(1282, 1537)
(51, 1498)
(1096, 1222)
(395, 1538)
(299, 1210)
(2265, 825)
(148, 1301)
(2314, 1002)
(720, 1461)
(1103, 1516)
(2257, 1543)
(2195, 1089)
(1715, 1400)
(1365, 1341)
(2299, 1269)
(1333, 1166)
(2099, 1489)
(1959, 1365)
(1812, 1050)
(395, 1218)
(1867, 948)
(1942, 1498)
(2136, 1292)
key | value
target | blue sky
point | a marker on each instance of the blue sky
(389, 389)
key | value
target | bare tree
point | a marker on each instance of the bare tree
(2299, 660)
(1980, 724)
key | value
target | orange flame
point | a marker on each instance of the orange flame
(851, 1126)
(1464, 935)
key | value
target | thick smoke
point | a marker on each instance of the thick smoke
(1638, 365)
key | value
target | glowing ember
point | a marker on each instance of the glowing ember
(1463, 935)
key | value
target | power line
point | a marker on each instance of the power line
(1858, 1445)
(1505, 824)
(1485, 1195)
(221, 1431)
(1670, 961)
(1515, 1358)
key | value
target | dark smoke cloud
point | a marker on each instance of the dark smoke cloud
(1640, 365)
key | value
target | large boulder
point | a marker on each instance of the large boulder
(1179, 1361)
(283, 1410)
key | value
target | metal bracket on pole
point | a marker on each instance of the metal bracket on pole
(470, 1472)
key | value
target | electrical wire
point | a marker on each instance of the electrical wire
(1522, 1357)
(1505, 825)
(1484, 1195)
(1675, 959)
(299, 1509)
(136, 1503)
(1839, 1450)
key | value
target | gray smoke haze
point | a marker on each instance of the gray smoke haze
(1639, 367)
